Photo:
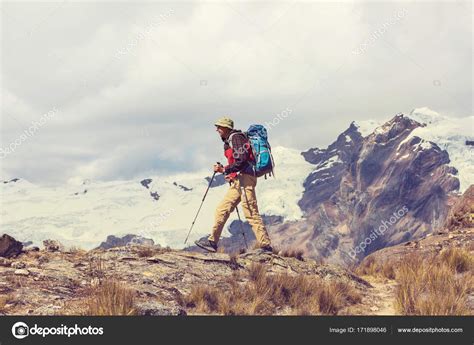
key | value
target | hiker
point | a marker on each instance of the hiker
(242, 180)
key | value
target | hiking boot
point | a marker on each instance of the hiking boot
(264, 250)
(267, 248)
(206, 244)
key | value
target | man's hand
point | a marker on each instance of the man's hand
(218, 168)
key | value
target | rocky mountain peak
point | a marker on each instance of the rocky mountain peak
(359, 183)
(397, 127)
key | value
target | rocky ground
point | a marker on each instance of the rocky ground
(55, 281)
(432, 244)
(51, 281)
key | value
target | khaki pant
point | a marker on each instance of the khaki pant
(243, 183)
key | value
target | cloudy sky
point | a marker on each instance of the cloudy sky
(115, 90)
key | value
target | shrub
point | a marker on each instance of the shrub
(110, 298)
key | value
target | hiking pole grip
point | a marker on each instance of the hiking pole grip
(210, 182)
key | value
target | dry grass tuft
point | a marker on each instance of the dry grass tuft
(149, 251)
(110, 298)
(16, 281)
(458, 259)
(291, 253)
(234, 264)
(97, 267)
(434, 286)
(204, 299)
(76, 251)
(4, 300)
(261, 293)
(373, 268)
(256, 272)
(33, 254)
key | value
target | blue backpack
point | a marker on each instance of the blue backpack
(262, 151)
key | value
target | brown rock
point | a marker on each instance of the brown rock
(22, 272)
(5, 262)
(461, 214)
(18, 265)
(52, 246)
(151, 308)
(9, 247)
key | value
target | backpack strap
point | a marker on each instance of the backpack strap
(229, 139)
(272, 173)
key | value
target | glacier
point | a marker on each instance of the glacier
(84, 214)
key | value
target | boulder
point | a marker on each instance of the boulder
(22, 272)
(151, 308)
(146, 182)
(9, 247)
(18, 265)
(53, 246)
(114, 241)
(5, 262)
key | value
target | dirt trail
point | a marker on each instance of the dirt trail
(380, 298)
(384, 296)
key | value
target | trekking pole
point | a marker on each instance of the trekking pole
(240, 220)
(241, 227)
(202, 202)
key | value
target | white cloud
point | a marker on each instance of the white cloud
(153, 107)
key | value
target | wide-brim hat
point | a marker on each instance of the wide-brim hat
(225, 122)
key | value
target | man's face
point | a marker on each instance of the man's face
(222, 131)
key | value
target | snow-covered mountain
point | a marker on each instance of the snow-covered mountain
(157, 207)
(385, 186)
(449, 133)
